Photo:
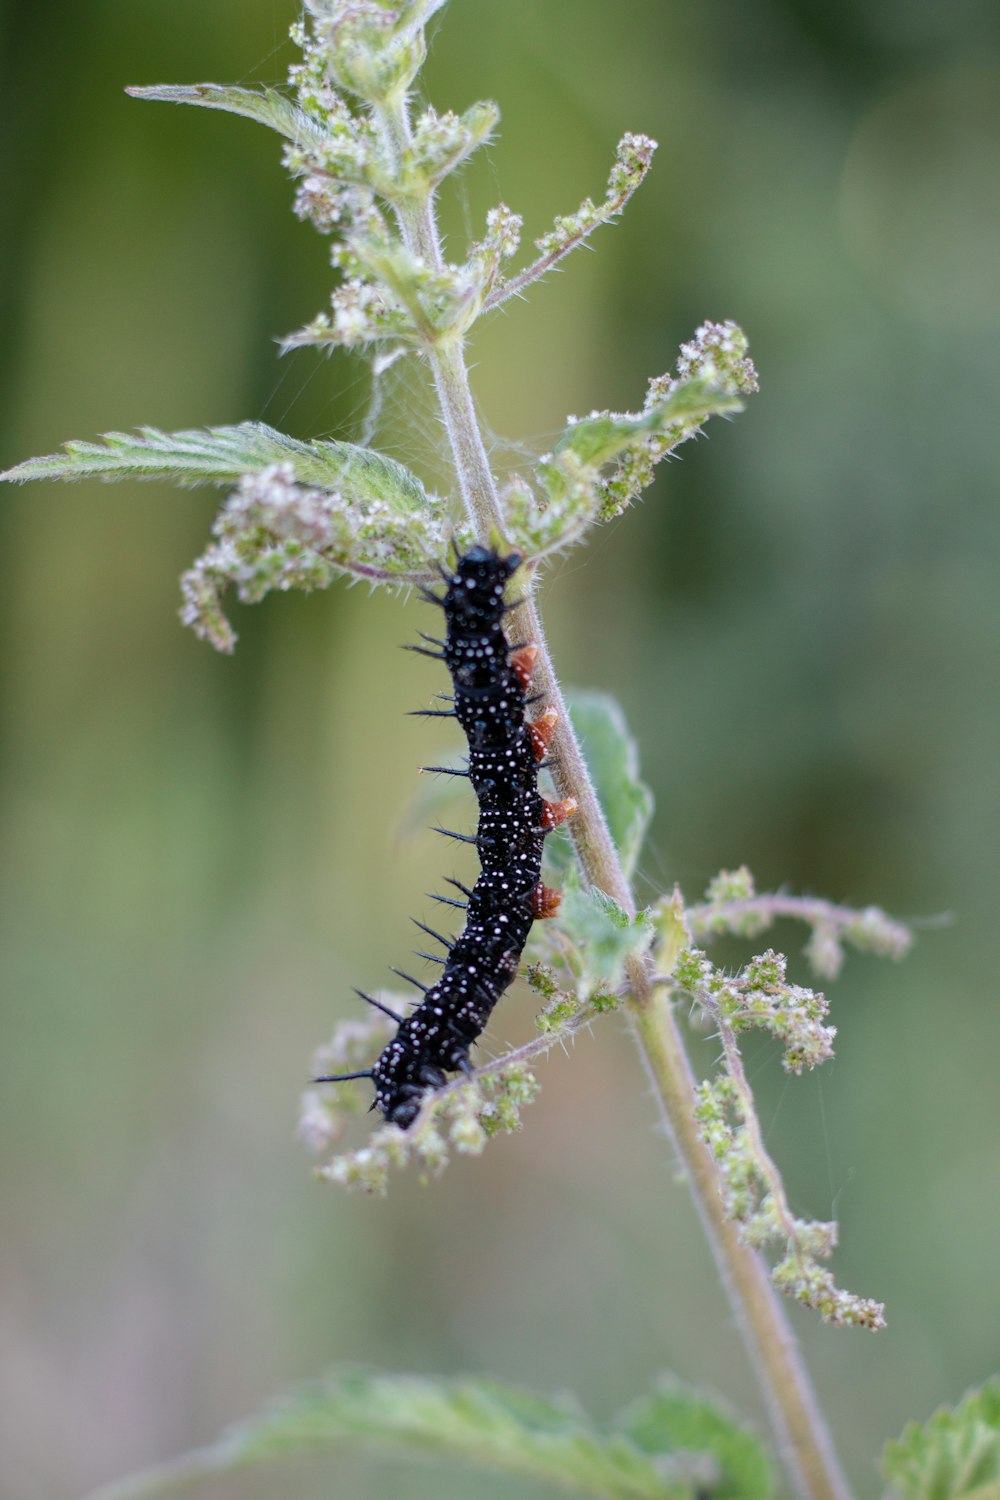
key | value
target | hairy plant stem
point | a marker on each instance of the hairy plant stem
(418, 228)
(803, 1440)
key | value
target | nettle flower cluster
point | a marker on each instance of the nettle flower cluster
(300, 513)
(760, 995)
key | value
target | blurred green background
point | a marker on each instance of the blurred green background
(201, 855)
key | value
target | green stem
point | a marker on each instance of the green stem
(802, 1436)
(418, 228)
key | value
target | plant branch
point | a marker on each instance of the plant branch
(868, 928)
(751, 1124)
(810, 909)
(634, 156)
(518, 284)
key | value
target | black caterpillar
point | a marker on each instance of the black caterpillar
(490, 679)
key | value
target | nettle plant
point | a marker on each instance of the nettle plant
(367, 168)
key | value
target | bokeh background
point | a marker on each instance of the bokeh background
(201, 855)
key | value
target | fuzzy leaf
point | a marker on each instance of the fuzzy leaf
(613, 757)
(495, 1426)
(953, 1456)
(675, 1418)
(222, 455)
(268, 106)
(603, 935)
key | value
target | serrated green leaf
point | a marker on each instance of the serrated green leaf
(479, 1421)
(613, 910)
(269, 107)
(602, 932)
(676, 1418)
(612, 757)
(222, 455)
(953, 1456)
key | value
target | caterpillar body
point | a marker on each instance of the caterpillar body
(490, 680)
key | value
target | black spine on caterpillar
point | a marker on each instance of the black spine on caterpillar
(504, 750)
